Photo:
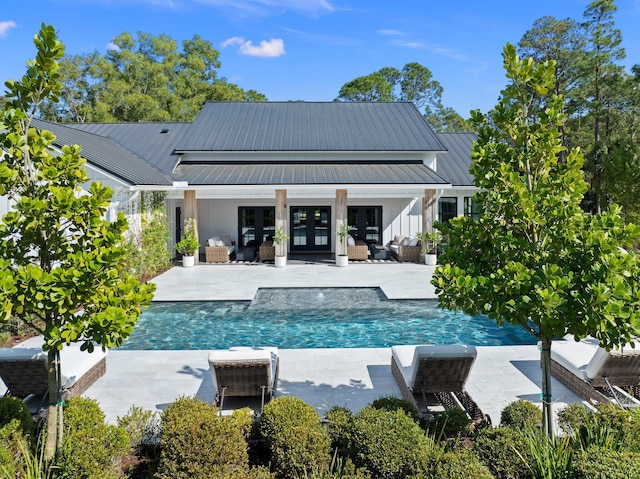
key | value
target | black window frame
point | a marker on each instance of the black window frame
(358, 227)
(472, 208)
(260, 213)
(449, 214)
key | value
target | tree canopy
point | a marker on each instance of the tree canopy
(146, 78)
(62, 265)
(414, 83)
(534, 258)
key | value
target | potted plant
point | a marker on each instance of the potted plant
(188, 244)
(342, 259)
(280, 240)
(429, 241)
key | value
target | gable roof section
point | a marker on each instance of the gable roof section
(153, 141)
(309, 126)
(107, 154)
(454, 164)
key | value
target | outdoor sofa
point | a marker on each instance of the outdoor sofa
(23, 369)
(357, 250)
(244, 371)
(596, 375)
(433, 378)
(219, 249)
(405, 248)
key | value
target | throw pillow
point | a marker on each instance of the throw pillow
(413, 242)
(398, 239)
(350, 241)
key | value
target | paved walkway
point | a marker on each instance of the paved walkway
(321, 377)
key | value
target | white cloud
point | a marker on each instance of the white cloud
(392, 33)
(6, 26)
(433, 48)
(267, 48)
(113, 46)
(267, 7)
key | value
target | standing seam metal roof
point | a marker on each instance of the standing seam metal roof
(304, 126)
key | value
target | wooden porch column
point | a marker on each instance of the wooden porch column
(191, 211)
(281, 215)
(341, 215)
(429, 211)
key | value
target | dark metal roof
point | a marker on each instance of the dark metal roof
(308, 174)
(107, 155)
(309, 126)
(153, 141)
(454, 164)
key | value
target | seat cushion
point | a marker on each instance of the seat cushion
(575, 356)
(394, 247)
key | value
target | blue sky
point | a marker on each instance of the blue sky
(307, 49)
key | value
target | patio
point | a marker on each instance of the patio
(321, 377)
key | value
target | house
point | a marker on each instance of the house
(245, 168)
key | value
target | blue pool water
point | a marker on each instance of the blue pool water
(314, 318)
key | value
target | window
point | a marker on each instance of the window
(472, 208)
(447, 209)
(365, 223)
(255, 224)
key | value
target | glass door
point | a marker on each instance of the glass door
(310, 228)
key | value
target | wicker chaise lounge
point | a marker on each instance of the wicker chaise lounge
(432, 378)
(596, 375)
(244, 371)
(24, 369)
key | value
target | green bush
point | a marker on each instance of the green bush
(450, 424)
(496, 448)
(142, 426)
(461, 464)
(602, 463)
(521, 414)
(12, 445)
(572, 417)
(90, 448)
(391, 403)
(390, 444)
(14, 408)
(340, 423)
(197, 442)
(297, 441)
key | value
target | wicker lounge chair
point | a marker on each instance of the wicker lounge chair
(24, 369)
(597, 375)
(244, 371)
(432, 378)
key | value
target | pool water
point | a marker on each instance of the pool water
(356, 318)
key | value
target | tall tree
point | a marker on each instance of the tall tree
(414, 84)
(534, 258)
(601, 77)
(62, 264)
(144, 78)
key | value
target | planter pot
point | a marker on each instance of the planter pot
(342, 260)
(431, 259)
(188, 261)
(280, 261)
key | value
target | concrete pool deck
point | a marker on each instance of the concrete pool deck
(321, 377)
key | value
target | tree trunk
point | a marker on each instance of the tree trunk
(545, 359)
(54, 418)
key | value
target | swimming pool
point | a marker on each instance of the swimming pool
(313, 318)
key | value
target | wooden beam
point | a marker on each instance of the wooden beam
(191, 211)
(429, 211)
(281, 215)
(341, 215)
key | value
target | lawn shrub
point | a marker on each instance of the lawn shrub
(90, 449)
(340, 424)
(197, 442)
(521, 414)
(602, 463)
(297, 441)
(390, 444)
(451, 423)
(391, 403)
(12, 445)
(13, 408)
(496, 448)
(460, 464)
(572, 417)
(142, 426)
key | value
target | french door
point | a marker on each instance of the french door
(310, 228)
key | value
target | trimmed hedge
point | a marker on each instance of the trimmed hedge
(601, 463)
(14, 408)
(496, 448)
(390, 444)
(521, 414)
(197, 442)
(297, 441)
(90, 449)
(461, 465)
